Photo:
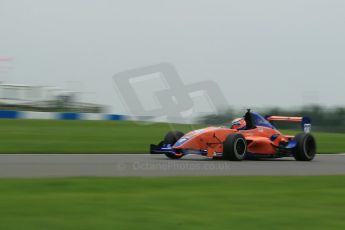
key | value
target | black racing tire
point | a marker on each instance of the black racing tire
(305, 149)
(171, 138)
(234, 147)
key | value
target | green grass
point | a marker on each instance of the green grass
(54, 136)
(173, 203)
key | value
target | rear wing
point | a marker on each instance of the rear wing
(305, 121)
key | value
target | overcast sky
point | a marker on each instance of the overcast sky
(261, 53)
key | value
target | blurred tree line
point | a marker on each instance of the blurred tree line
(323, 119)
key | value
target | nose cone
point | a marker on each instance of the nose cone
(199, 139)
(196, 139)
(182, 141)
(188, 143)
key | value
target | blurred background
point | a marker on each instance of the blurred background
(286, 54)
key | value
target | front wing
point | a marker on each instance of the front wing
(168, 149)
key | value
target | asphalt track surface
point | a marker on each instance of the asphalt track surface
(75, 165)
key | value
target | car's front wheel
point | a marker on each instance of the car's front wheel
(234, 147)
(171, 138)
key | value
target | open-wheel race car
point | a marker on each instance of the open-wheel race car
(250, 137)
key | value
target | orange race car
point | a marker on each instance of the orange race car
(252, 136)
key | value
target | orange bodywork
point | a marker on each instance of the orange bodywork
(259, 140)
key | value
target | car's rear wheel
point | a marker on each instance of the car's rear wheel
(171, 138)
(234, 147)
(305, 149)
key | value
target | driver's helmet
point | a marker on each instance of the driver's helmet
(238, 123)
